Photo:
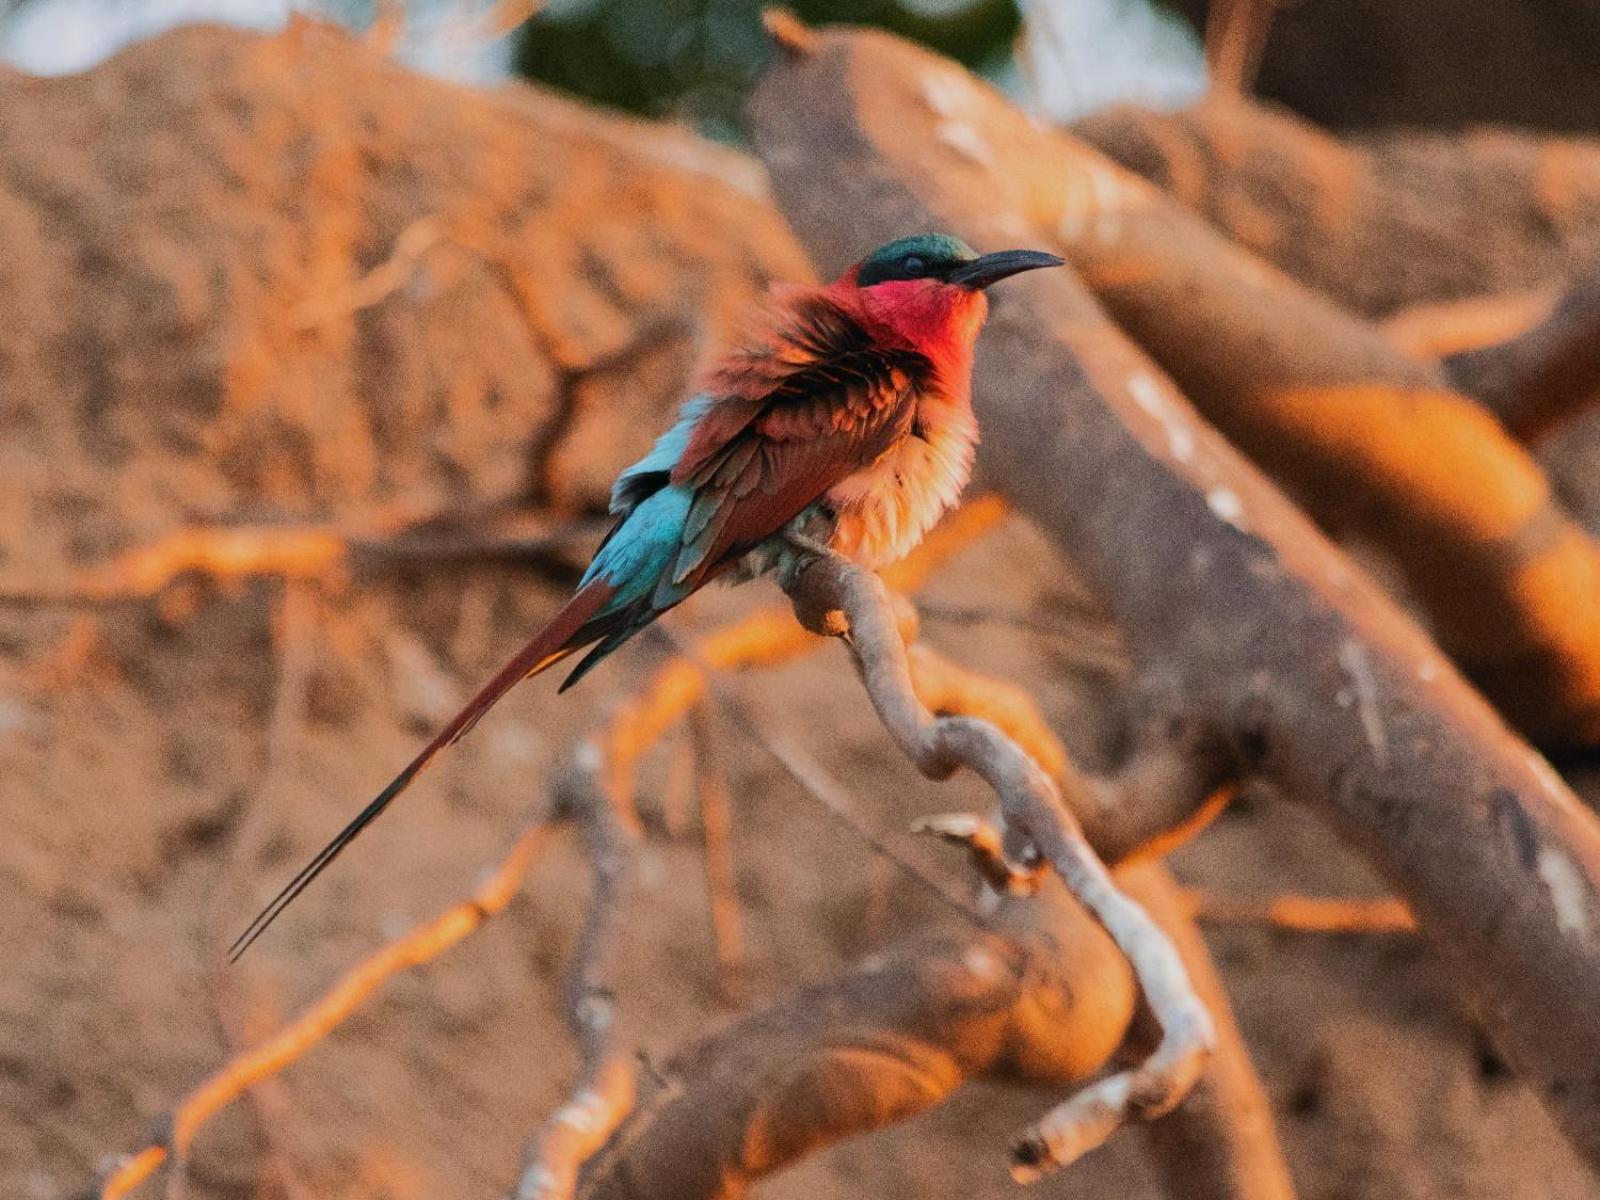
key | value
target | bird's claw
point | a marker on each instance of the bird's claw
(796, 551)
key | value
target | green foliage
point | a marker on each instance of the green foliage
(696, 59)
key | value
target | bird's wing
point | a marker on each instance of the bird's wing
(819, 402)
(786, 422)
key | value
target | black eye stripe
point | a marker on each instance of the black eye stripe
(914, 265)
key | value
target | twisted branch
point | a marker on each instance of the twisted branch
(835, 598)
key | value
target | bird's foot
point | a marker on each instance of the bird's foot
(795, 551)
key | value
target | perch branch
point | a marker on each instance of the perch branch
(835, 598)
(604, 1093)
(1242, 611)
(1174, 783)
(767, 637)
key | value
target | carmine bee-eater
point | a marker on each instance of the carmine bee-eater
(847, 417)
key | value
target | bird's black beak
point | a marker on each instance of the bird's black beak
(992, 268)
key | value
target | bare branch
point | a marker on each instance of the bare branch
(1329, 210)
(300, 553)
(834, 597)
(1450, 327)
(1235, 38)
(1305, 914)
(1176, 780)
(716, 831)
(1365, 437)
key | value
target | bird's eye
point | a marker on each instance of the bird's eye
(914, 266)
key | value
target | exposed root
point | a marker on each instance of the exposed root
(417, 947)
(293, 552)
(1305, 914)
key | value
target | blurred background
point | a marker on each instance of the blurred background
(1343, 63)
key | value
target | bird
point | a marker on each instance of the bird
(844, 417)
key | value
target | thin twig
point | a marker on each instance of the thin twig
(1094, 643)
(1235, 39)
(828, 792)
(1544, 375)
(716, 827)
(1305, 914)
(603, 1094)
(415, 241)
